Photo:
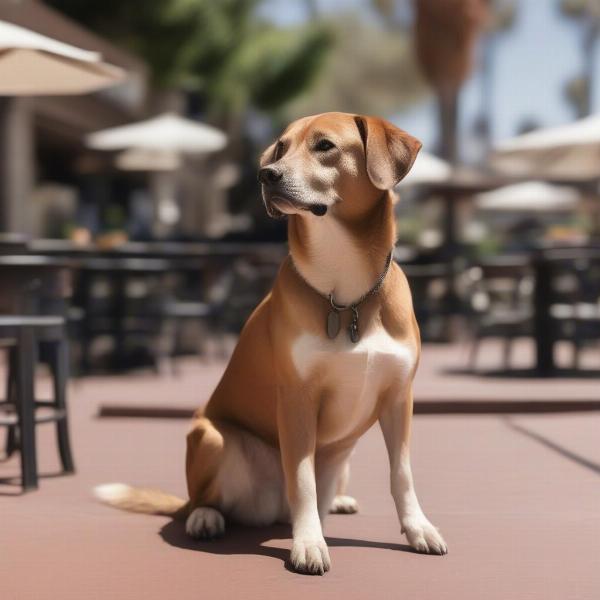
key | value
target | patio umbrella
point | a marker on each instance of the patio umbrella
(32, 64)
(168, 132)
(141, 159)
(567, 152)
(427, 169)
(529, 196)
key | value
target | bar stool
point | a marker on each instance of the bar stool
(24, 335)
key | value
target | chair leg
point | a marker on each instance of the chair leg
(474, 352)
(506, 353)
(25, 372)
(11, 444)
(576, 353)
(12, 440)
(60, 369)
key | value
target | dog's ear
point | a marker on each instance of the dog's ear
(389, 151)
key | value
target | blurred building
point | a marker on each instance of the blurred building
(41, 139)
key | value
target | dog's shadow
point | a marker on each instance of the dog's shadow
(251, 540)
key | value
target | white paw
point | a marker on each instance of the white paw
(345, 505)
(423, 536)
(205, 523)
(309, 556)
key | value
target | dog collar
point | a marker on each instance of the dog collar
(333, 323)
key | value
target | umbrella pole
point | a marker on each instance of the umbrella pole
(450, 254)
(4, 110)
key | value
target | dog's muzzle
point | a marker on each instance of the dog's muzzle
(270, 179)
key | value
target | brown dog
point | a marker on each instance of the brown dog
(333, 348)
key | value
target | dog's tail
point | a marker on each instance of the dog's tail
(142, 500)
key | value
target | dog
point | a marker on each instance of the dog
(332, 348)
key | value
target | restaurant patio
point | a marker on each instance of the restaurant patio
(515, 493)
(134, 245)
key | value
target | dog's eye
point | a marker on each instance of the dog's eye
(324, 145)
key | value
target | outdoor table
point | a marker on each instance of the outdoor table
(157, 249)
(119, 271)
(544, 264)
(197, 265)
(34, 285)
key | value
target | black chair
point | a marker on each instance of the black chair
(500, 306)
(575, 306)
(25, 337)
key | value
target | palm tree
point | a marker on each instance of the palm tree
(587, 13)
(445, 36)
(502, 17)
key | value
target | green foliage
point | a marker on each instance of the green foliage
(158, 31)
(274, 67)
(217, 47)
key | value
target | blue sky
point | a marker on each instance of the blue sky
(533, 61)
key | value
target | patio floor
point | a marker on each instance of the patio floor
(517, 497)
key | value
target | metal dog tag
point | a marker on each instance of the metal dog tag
(333, 324)
(353, 329)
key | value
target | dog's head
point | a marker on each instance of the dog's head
(334, 162)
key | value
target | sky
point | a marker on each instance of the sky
(533, 62)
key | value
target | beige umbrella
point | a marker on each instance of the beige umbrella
(156, 145)
(144, 159)
(427, 169)
(166, 132)
(529, 196)
(567, 152)
(32, 64)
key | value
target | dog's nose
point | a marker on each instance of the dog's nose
(269, 175)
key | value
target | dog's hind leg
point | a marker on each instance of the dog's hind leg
(342, 503)
(205, 450)
(234, 474)
(333, 472)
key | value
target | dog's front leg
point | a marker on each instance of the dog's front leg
(297, 421)
(395, 420)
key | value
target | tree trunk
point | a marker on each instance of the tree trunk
(448, 125)
(589, 58)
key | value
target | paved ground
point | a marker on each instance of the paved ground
(517, 498)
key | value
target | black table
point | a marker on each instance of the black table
(35, 285)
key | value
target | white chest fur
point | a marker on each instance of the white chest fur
(354, 376)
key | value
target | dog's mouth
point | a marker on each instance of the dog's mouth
(278, 207)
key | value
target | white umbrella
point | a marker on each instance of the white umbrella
(529, 196)
(143, 159)
(568, 152)
(427, 169)
(167, 132)
(32, 64)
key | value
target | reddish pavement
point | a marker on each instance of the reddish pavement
(517, 498)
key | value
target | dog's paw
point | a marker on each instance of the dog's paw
(205, 523)
(310, 556)
(344, 505)
(423, 536)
